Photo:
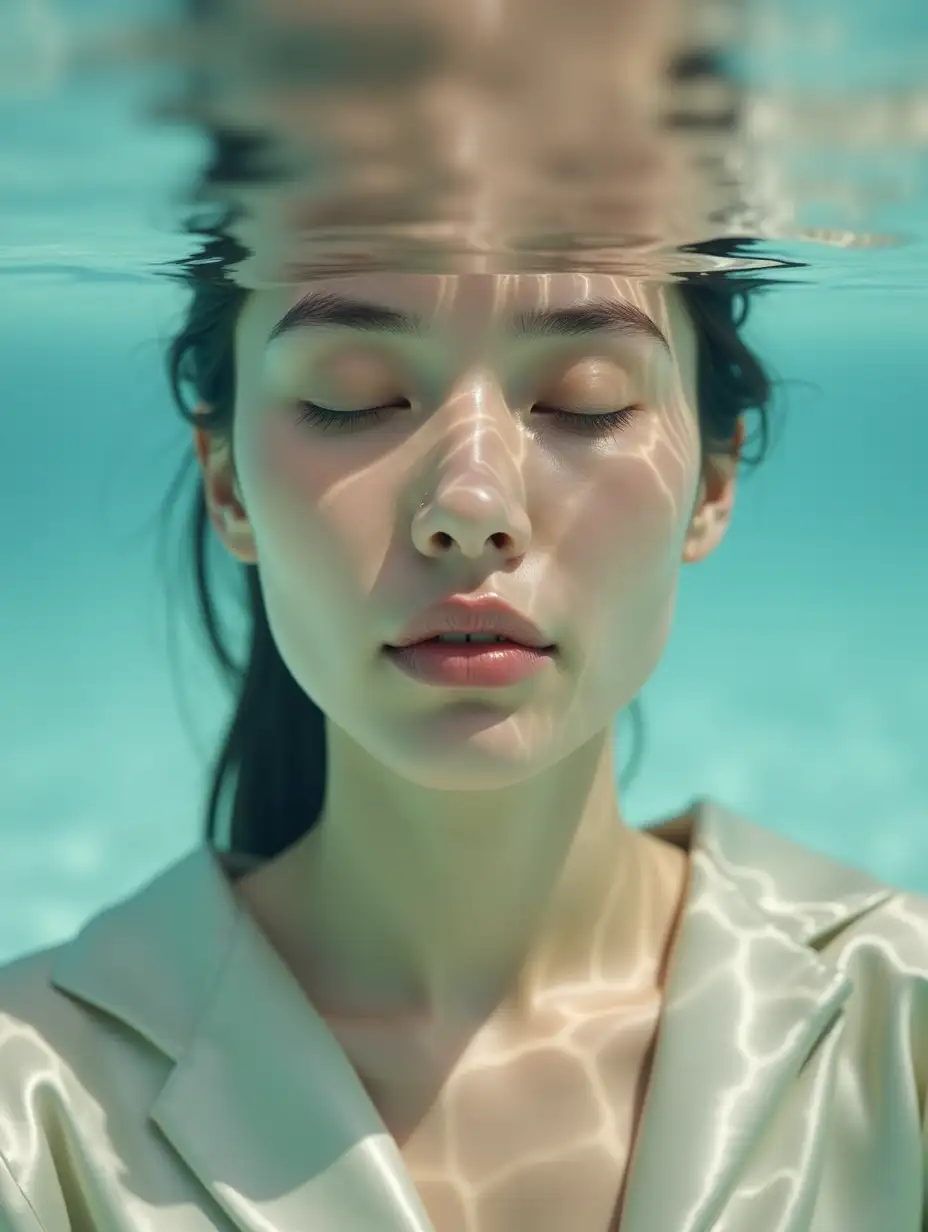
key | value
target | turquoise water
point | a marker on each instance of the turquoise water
(795, 685)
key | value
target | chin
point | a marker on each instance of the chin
(491, 754)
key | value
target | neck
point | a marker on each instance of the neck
(406, 901)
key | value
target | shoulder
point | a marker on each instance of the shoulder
(77, 1083)
(126, 989)
(884, 952)
(32, 1011)
(41, 1030)
(47, 1038)
(89, 1032)
(848, 916)
(895, 931)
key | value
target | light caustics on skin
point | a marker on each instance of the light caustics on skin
(604, 519)
(351, 532)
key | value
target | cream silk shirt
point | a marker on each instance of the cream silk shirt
(163, 1072)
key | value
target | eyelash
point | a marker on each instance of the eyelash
(347, 421)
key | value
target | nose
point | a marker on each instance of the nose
(471, 521)
(476, 502)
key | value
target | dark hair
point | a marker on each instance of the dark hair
(273, 754)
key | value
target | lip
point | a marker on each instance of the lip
(473, 614)
(471, 665)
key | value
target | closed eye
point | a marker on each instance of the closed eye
(574, 421)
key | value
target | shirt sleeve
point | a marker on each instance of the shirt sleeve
(921, 1061)
(924, 1162)
(16, 1212)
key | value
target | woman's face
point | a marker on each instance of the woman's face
(484, 471)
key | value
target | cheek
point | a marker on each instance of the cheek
(622, 555)
(320, 533)
(629, 519)
(320, 504)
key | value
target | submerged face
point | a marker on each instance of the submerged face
(487, 467)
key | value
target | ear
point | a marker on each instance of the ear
(715, 501)
(224, 503)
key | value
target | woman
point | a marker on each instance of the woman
(434, 981)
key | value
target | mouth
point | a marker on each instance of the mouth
(465, 661)
(475, 641)
(485, 621)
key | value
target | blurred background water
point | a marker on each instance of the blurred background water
(795, 685)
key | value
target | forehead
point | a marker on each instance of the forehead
(474, 305)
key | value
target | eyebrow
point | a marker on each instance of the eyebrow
(597, 316)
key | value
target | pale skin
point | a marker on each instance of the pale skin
(472, 870)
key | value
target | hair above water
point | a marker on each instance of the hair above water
(270, 770)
